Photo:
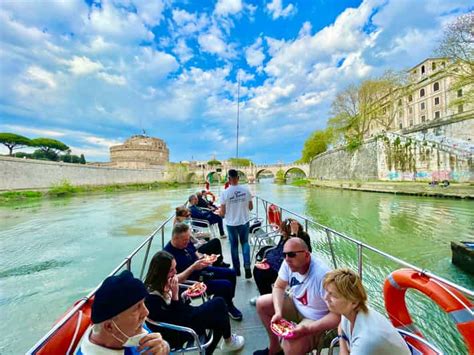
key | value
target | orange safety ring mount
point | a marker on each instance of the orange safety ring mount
(274, 215)
(453, 302)
(209, 193)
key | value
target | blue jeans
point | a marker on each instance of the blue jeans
(241, 233)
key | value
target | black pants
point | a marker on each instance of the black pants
(264, 279)
(212, 315)
(213, 246)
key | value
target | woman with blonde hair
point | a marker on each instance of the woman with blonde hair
(362, 330)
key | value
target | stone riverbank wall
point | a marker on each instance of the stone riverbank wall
(16, 174)
(392, 157)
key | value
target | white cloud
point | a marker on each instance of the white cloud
(38, 132)
(151, 12)
(182, 50)
(213, 42)
(83, 65)
(152, 64)
(112, 79)
(254, 54)
(228, 7)
(275, 8)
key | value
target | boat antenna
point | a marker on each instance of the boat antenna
(238, 114)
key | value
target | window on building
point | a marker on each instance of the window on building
(422, 92)
(433, 66)
(460, 93)
(422, 106)
(410, 110)
(437, 114)
(436, 86)
(423, 118)
(411, 123)
(422, 69)
(436, 100)
(410, 98)
(400, 125)
(460, 109)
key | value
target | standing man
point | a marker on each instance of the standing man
(236, 203)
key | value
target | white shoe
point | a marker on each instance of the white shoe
(223, 236)
(253, 301)
(235, 343)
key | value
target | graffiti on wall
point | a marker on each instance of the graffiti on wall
(427, 175)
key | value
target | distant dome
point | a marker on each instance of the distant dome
(140, 152)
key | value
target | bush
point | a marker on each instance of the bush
(63, 188)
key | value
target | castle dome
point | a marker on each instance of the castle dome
(140, 152)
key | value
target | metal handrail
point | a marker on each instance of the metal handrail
(361, 246)
(126, 262)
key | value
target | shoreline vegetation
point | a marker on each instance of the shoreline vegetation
(66, 189)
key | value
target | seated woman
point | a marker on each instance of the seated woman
(362, 330)
(213, 246)
(265, 278)
(165, 305)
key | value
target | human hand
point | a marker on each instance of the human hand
(300, 331)
(276, 317)
(200, 264)
(294, 227)
(153, 344)
(173, 284)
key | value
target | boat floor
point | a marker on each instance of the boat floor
(250, 327)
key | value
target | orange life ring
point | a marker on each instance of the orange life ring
(209, 193)
(274, 215)
(66, 339)
(448, 298)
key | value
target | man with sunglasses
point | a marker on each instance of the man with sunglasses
(304, 303)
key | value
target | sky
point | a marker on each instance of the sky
(93, 73)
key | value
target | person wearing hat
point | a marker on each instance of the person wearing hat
(118, 317)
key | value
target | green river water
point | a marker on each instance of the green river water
(56, 251)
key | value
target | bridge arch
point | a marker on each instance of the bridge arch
(192, 177)
(264, 172)
(213, 176)
(295, 170)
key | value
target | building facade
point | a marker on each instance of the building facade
(428, 98)
(139, 152)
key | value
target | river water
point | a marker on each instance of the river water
(56, 251)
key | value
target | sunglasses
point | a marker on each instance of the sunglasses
(292, 254)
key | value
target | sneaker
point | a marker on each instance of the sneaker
(223, 264)
(235, 343)
(234, 313)
(248, 273)
(253, 301)
(223, 236)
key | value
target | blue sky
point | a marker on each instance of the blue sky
(93, 73)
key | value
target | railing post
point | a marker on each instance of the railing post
(146, 257)
(256, 205)
(162, 237)
(359, 252)
(129, 264)
(333, 256)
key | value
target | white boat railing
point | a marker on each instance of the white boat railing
(330, 233)
(160, 232)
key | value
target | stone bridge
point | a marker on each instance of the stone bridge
(250, 173)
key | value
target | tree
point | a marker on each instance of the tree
(82, 159)
(457, 43)
(240, 162)
(317, 143)
(214, 162)
(13, 141)
(48, 145)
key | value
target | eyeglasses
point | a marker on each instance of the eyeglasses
(292, 254)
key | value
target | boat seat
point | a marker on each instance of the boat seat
(203, 226)
(262, 236)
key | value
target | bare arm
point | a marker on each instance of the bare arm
(329, 321)
(343, 348)
(222, 210)
(278, 295)
(198, 265)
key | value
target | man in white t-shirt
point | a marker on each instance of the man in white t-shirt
(236, 203)
(304, 304)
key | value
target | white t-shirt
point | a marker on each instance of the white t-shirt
(373, 334)
(236, 199)
(307, 290)
(88, 348)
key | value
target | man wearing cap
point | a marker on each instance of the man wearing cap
(236, 203)
(118, 317)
